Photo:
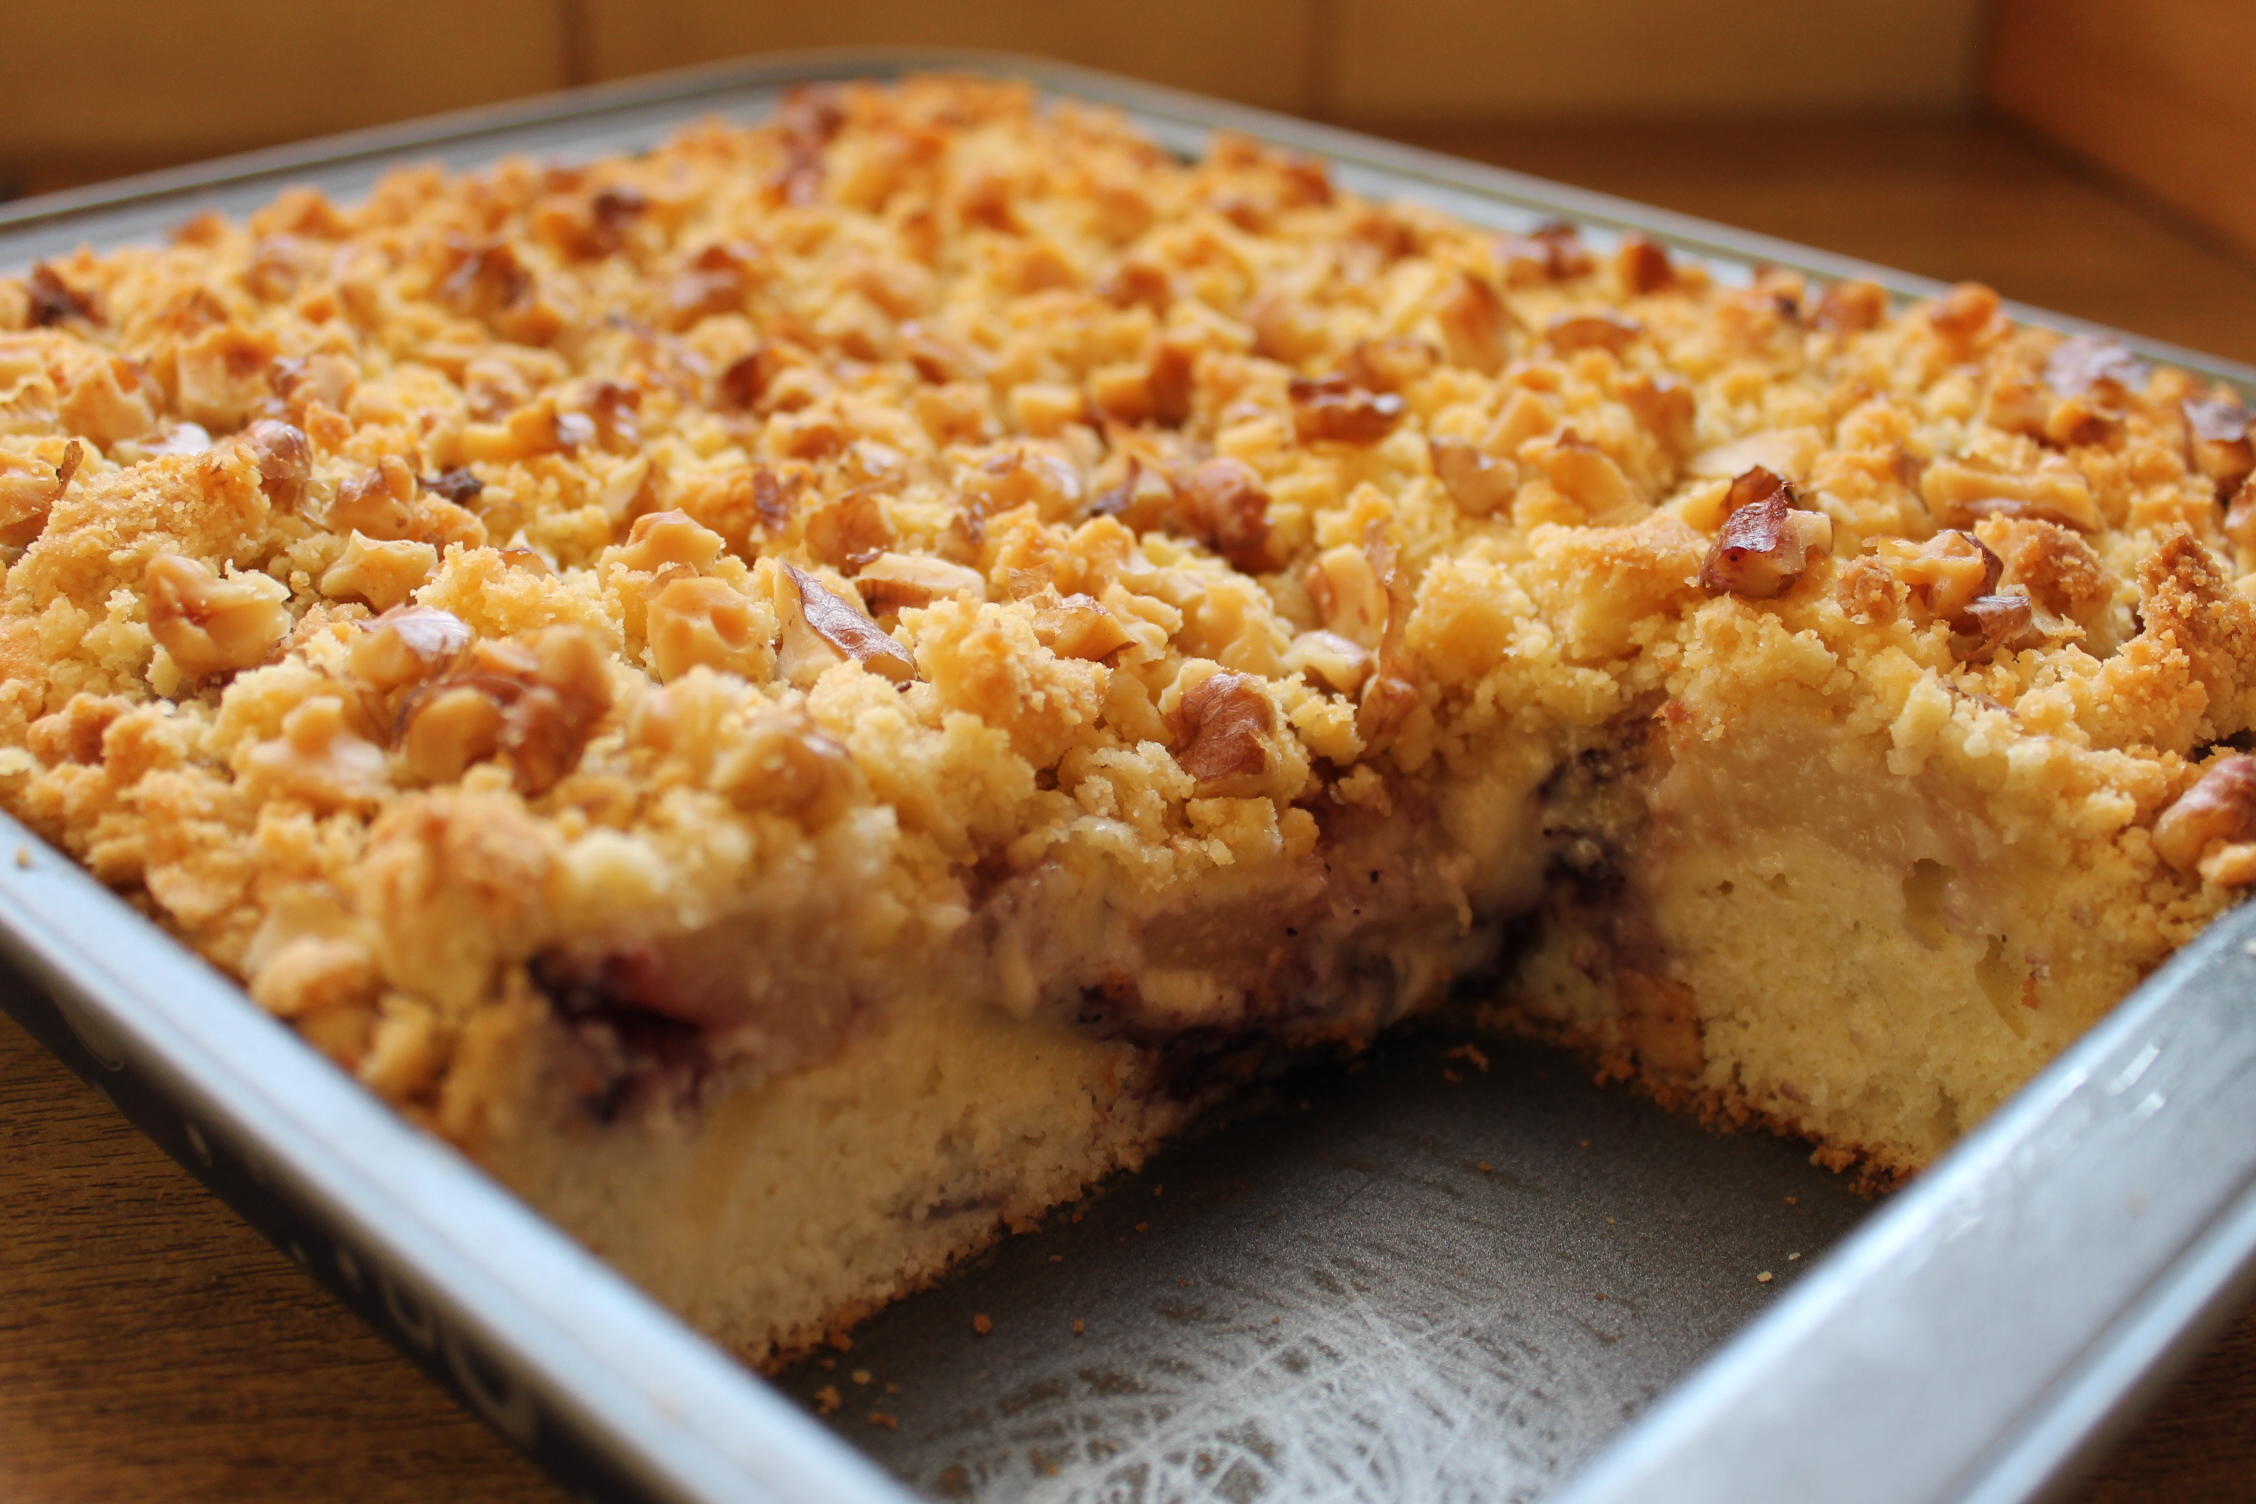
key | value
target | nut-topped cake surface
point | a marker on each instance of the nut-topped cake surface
(806, 694)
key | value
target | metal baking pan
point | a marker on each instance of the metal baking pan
(1429, 1275)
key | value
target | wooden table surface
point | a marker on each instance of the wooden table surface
(153, 1348)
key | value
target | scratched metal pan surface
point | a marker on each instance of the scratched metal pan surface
(1438, 1274)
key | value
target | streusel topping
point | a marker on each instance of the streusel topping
(828, 521)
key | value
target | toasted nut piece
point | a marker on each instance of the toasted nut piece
(2002, 621)
(1959, 494)
(458, 485)
(28, 495)
(697, 620)
(1080, 627)
(1643, 265)
(783, 762)
(172, 439)
(1586, 475)
(406, 645)
(2081, 364)
(1220, 727)
(1329, 410)
(52, 301)
(538, 699)
(1663, 404)
(1570, 332)
(892, 582)
(1850, 305)
(2218, 440)
(380, 504)
(1331, 659)
(1551, 252)
(318, 758)
(1967, 317)
(2221, 807)
(1783, 451)
(821, 627)
(1018, 478)
(1948, 572)
(847, 533)
(285, 460)
(1389, 365)
(1349, 594)
(1229, 508)
(1391, 693)
(449, 728)
(109, 404)
(1480, 483)
(382, 574)
(1765, 544)
(1474, 322)
(211, 625)
(659, 539)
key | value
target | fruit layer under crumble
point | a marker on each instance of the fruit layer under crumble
(806, 694)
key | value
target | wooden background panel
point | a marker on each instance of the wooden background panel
(1259, 51)
(112, 80)
(2157, 90)
(1496, 59)
(1961, 200)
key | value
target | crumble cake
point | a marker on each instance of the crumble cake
(806, 695)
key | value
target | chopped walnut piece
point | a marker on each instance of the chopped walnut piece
(1330, 410)
(825, 628)
(1078, 626)
(1850, 305)
(1947, 573)
(1479, 482)
(1220, 727)
(1603, 330)
(1338, 662)
(450, 726)
(1643, 265)
(702, 621)
(1344, 583)
(892, 582)
(172, 439)
(1389, 365)
(2002, 621)
(27, 495)
(406, 645)
(2221, 807)
(1664, 405)
(1958, 494)
(1765, 544)
(1586, 475)
(382, 573)
(1474, 322)
(320, 759)
(1551, 252)
(379, 504)
(1228, 507)
(536, 699)
(2218, 440)
(1967, 317)
(1391, 693)
(784, 762)
(1782, 451)
(211, 625)
(285, 460)
(2081, 364)
(52, 300)
(660, 539)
